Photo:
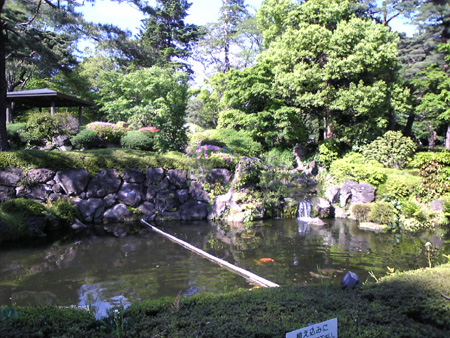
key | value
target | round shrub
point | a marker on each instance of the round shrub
(383, 213)
(393, 150)
(23, 206)
(238, 142)
(87, 139)
(360, 211)
(137, 140)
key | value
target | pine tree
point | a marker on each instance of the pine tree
(166, 33)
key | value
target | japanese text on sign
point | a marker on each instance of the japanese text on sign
(326, 329)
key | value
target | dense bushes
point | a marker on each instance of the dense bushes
(108, 133)
(405, 304)
(393, 150)
(352, 168)
(42, 127)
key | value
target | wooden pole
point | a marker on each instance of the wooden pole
(251, 277)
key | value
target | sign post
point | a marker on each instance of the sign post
(326, 329)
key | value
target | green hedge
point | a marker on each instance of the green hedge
(400, 305)
(93, 160)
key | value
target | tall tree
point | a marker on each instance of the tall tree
(167, 35)
(335, 67)
(231, 42)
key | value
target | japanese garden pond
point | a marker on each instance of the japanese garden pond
(101, 272)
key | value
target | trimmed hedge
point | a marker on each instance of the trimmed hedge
(405, 304)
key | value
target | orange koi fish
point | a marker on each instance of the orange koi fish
(265, 260)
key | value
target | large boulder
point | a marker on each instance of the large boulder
(10, 177)
(167, 200)
(133, 175)
(363, 193)
(36, 192)
(154, 176)
(73, 182)
(104, 183)
(197, 192)
(219, 175)
(178, 178)
(118, 213)
(41, 175)
(332, 194)
(91, 209)
(7, 193)
(130, 194)
(320, 207)
(193, 210)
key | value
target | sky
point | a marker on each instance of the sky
(200, 13)
(127, 17)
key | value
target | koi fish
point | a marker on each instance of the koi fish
(326, 272)
(265, 260)
(316, 275)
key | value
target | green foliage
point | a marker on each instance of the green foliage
(393, 150)
(42, 127)
(149, 97)
(237, 142)
(328, 153)
(86, 139)
(62, 213)
(93, 160)
(13, 132)
(383, 213)
(361, 211)
(279, 158)
(13, 227)
(22, 205)
(336, 68)
(350, 169)
(135, 139)
(248, 103)
(399, 185)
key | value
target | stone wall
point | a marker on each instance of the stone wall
(111, 196)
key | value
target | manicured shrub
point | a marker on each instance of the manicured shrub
(109, 133)
(86, 139)
(383, 213)
(393, 150)
(136, 139)
(237, 142)
(399, 185)
(360, 211)
(23, 205)
(346, 170)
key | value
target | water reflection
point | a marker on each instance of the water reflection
(101, 272)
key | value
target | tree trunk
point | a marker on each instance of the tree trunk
(3, 85)
(409, 124)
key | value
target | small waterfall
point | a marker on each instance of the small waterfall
(304, 211)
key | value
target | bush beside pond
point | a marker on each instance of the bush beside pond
(407, 304)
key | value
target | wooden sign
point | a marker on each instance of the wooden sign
(326, 329)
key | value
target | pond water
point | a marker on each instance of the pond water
(101, 272)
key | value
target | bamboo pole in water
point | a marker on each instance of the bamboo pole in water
(251, 277)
